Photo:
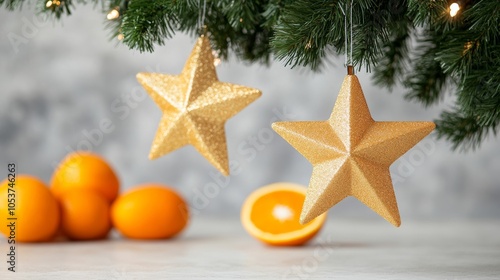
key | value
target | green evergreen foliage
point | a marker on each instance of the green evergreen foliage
(415, 43)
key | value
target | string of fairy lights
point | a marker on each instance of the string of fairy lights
(114, 13)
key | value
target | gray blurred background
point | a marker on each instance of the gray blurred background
(60, 80)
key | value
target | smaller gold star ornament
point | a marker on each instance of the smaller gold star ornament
(195, 107)
(351, 154)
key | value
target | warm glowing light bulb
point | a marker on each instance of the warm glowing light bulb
(113, 14)
(216, 62)
(119, 37)
(53, 3)
(454, 9)
(216, 58)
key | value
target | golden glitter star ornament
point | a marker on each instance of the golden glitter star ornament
(351, 154)
(195, 107)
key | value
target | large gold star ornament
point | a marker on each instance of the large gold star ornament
(351, 154)
(195, 107)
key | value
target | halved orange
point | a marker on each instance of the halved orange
(271, 214)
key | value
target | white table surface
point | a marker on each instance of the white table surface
(221, 249)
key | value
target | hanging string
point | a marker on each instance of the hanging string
(201, 17)
(350, 19)
(348, 35)
(344, 11)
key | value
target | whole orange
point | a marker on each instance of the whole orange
(150, 212)
(85, 215)
(35, 208)
(88, 171)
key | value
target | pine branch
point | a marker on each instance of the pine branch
(147, 23)
(427, 78)
(273, 11)
(486, 18)
(115, 24)
(244, 14)
(251, 37)
(393, 62)
(480, 94)
(12, 4)
(304, 31)
(380, 21)
(461, 50)
(464, 132)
